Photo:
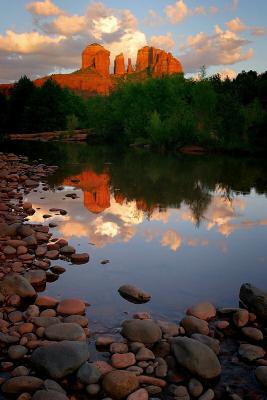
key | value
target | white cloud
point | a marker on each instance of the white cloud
(236, 25)
(257, 31)
(153, 19)
(177, 12)
(67, 25)
(165, 42)
(220, 48)
(44, 8)
(57, 43)
(29, 42)
(227, 73)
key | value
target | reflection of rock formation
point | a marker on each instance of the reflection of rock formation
(96, 192)
(95, 189)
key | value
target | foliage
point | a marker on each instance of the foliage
(167, 112)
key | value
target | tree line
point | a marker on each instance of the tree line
(167, 112)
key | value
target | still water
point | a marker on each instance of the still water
(184, 228)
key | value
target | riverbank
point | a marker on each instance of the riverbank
(45, 340)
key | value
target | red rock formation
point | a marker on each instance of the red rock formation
(130, 69)
(96, 193)
(90, 83)
(96, 57)
(119, 65)
(94, 77)
(158, 61)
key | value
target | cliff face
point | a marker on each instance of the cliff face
(97, 58)
(157, 61)
(94, 77)
(119, 65)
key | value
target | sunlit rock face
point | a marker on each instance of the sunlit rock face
(96, 57)
(158, 61)
(94, 76)
(130, 68)
(119, 65)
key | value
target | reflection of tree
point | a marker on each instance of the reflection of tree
(154, 180)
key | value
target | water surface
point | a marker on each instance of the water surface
(184, 228)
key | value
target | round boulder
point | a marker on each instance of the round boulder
(145, 331)
(119, 384)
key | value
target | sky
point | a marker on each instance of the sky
(42, 37)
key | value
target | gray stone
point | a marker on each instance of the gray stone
(45, 321)
(261, 375)
(195, 325)
(60, 359)
(144, 354)
(49, 395)
(133, 293)
(65, 331)
(21, 384)
(208, 395)
(144, 331)
(251, 352)
(88, 373)
(36, 276)
(252, 333)
(16, 284)
(49, 384)
(17, 352)
(196, 357)
(214, 344)
(255, 299)
(195, 387)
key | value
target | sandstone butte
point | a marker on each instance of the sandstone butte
(94, 76)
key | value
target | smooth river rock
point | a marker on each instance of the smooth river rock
(261, 375)
(195, 325)
(60, 359)
(203, 311)
(134, 294)
(144, 331)
(65, 331)
(119, 384)
(49, 395)
(255, 299)
(196, 357)
(20, 384)
(16, 284)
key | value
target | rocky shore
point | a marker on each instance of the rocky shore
(210, 354)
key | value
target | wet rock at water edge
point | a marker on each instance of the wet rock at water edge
(255, 299)
(144, 331)
(65, 331)
(134, 294)
(80, 258)
(195, 325)
(196, 357)
(203, 311)
(60, 359)
(16, 284)
(71, 306)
